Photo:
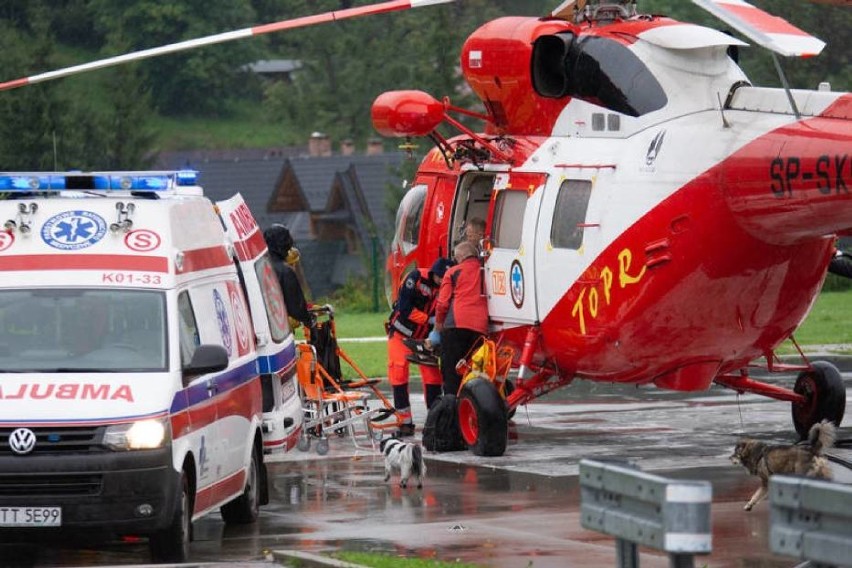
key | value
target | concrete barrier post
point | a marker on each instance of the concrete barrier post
(638, 508)
(811, 520)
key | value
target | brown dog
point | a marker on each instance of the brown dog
(763, 460)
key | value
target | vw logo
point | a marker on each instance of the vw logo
(22, 441)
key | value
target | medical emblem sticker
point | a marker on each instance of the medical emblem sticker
(224, 327)
(73, 230)
(516, 284)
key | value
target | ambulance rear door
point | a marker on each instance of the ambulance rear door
(275, 342)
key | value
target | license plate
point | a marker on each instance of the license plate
(30, 516)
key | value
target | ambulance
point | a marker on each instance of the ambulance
(146, 361)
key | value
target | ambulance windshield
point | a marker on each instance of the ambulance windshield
(82, 330)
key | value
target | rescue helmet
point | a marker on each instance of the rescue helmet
(278, 239)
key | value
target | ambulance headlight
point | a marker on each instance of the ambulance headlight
(141, 435)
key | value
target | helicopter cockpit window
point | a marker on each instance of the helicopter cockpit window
(598, 70)
(408, 218)
(566, 230)
(509, 219)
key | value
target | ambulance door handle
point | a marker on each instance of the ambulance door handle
(212, 389)
(262, 339)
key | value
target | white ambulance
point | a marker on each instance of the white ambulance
(146, 363)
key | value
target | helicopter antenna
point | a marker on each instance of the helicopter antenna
(302, 22)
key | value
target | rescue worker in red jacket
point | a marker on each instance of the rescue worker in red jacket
(461, 312)
(410, 319)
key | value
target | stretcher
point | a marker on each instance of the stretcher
(334, 405)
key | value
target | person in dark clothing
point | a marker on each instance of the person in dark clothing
(841, 264)
(410, 320)
(280, 245)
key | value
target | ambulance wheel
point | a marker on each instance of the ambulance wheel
(304, 444)
(322, 446)
(172, 543)
(245, 508)
(825, 397)
(483, 419)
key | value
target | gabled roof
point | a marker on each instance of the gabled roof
(372, 176)
(254, 179)
(299, 192)
(315, 177)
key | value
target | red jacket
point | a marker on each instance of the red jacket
(461, 303)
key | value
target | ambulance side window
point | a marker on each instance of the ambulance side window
(569, 214)
(189, 337)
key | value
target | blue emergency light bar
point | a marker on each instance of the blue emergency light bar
(28, 182)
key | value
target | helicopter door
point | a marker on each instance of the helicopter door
(510, 264)
(569, 234)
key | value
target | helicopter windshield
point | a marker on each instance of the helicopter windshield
(408, 218)
(598, 70)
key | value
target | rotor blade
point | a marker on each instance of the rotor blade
(771, 32)
(305, 21)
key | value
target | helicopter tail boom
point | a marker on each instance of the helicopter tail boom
(796, 183)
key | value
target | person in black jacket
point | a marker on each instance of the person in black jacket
(841, 264)
(280, 245)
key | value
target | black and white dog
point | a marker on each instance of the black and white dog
(405, 457)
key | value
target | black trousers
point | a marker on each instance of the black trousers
(455, 343)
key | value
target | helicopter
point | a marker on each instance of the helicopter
(652, 218)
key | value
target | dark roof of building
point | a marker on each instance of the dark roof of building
(373, 174)
(195, 159)
(316, 176)
(275, 66)
(359, 181)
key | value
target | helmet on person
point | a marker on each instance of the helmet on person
(440, 266)
(278, 239)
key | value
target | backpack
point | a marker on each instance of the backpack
(441, 432)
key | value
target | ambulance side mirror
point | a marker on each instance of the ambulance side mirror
(207, 358)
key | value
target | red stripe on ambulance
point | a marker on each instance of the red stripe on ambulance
(204, 259)
(84, 262)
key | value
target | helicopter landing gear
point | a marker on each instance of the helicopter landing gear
(825, 397)
(483, 418)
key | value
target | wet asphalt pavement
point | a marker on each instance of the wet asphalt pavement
(518, 510)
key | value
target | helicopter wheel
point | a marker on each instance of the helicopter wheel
(482, 418)
(823, 388)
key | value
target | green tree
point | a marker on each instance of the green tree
(829, 23)
(28, 123)
(197, 82)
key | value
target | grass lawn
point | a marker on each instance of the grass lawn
(830, 321)
(371, 357)
(376, 560)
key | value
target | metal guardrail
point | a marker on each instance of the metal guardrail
(811, 520)
(639, 508)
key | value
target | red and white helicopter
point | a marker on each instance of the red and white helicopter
(652, 217)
